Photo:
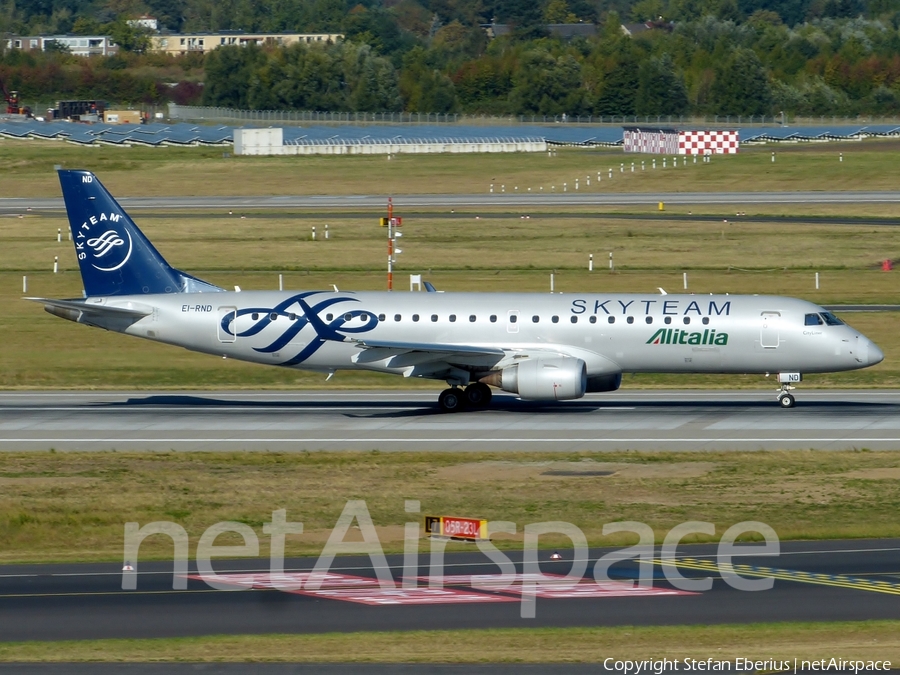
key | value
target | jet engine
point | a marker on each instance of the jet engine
(608, 382)
(543, 379)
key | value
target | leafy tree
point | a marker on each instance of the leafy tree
(660, 90)
(131, 38)
(618, 89)
(741, 86)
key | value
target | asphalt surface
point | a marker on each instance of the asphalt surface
(814, 581)
(21, 205)
(410, 420)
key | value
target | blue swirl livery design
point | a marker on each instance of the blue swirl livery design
(295, 313)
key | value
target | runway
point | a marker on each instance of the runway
(410, 420)
(486, 199)
(813, 581)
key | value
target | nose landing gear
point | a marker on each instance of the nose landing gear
(785, 398)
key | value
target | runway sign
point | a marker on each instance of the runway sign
(407, 596)
(470, 529)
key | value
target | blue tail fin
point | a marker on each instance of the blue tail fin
(114, 255)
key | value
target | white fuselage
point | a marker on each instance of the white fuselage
(611, 333)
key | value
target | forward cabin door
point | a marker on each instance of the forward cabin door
(769, 331)
(226, 316)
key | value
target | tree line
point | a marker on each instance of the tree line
(683, 57)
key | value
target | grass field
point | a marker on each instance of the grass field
(26, 170)
(869, 640)
(73, 506)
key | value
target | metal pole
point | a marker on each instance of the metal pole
(685, 281)
(55, 264)
(24, 284)
(551, 282)
(817, 281)
(390, 244)
(280, 282)
(591, 262)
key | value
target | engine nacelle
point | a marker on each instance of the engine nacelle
(544, 379)
(608, 382)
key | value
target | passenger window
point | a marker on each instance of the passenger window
(434, 317)
(554, 319)
(649, 319)
(513, 318)
(328, 317)
(705, 320)
(813, 320)
(396, 317)
(668, 320)
(381, 317)
(415, 317)
(493, 318)
(593, 319)
(472, 318)
(255, 316)
(292, 316)
(535, 318)
(574, 319)
(611, 319)
(630, 319)
(348, 316)
(273, 316)
(687, 320)
(453, 318)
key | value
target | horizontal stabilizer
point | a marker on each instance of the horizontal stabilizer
(80, 311)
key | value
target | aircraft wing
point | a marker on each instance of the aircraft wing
(423, 352)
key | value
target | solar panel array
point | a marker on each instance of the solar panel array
(560, 134)
(118, 134)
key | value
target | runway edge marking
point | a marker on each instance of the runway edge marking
(800, 576)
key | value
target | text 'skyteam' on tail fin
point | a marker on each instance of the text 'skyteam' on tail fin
(114, 255)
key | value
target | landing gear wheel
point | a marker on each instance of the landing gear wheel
(450, 400)
(786, 401)
(478, 395)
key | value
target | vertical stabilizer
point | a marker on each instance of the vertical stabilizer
(114, 255)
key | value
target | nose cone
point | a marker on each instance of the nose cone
(875, 355)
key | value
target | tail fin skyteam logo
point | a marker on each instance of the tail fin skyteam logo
(109, 247)
(675, 336)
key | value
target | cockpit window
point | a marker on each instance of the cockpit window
(831, 319)
(813, 320)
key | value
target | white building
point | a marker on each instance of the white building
(145, 21)
(79, 45)
(185, 43)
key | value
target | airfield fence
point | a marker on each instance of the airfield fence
(289, 117)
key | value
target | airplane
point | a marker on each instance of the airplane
(539, 346)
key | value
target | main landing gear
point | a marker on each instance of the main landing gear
(477, 395)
